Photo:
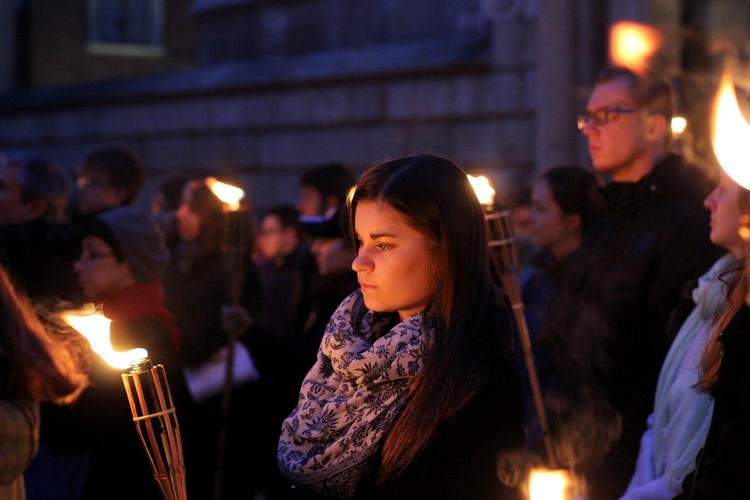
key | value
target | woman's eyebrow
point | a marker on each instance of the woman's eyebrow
(375, 236)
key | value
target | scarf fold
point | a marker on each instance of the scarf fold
(351, 396)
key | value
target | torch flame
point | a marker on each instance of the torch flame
(95, 327)
(548, 484)
(231, 195)
(731, 133)
(632, 44)
(485, 193)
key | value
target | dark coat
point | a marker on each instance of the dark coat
(461, 461)
(632, 288)
(39, 257)
(724, 461)
(196, 289)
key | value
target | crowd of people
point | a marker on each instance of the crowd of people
(374, 354)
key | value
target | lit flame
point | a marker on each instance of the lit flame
(485, 193)
(679, 124)
(731, 133)
(231, 195)
(548, 484)
(632, 44)
(95, 327)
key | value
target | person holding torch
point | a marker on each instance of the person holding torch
(123, 256)
(412, 395)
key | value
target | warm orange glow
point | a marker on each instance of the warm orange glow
(485, 193)
(231, 195)
(731, 133)
(548, 484)
(632, 44)
(95, 327)
(679, 124)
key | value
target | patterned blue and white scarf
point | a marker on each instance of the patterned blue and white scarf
(350, 397)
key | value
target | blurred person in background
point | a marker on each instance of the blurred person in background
(678, 425)
(197, 290)
(38, 245)
(164, 205)
(565, 205)
(721, 465)
(108, 176)
(37, 364)
(642, 272)
(323, 189)
(122, 258)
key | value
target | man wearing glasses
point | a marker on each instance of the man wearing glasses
(635, 276)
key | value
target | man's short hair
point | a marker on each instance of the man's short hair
(648, 90)
(41, 179)
(122, 166)
(331, 179)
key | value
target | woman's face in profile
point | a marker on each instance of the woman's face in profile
(188, 222)
(394, 263)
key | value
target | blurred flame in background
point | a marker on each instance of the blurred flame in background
(231, 195)
(632, 45)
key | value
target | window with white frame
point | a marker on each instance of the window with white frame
(126, 27)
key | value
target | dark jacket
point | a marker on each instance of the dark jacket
(39, 257)
(196, 288)
(461, 461)
(724, 461)
(635, 282)
(102, 420)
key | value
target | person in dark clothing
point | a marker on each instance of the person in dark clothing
(199, 292)
(724, 460)
(334, 281)
(122, 259)
(412, 395)
(323, 189)
(38, 245)
(565, 204)
(285, 271)
(638, 275)
(109, 176)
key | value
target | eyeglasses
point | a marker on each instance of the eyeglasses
(602, 116)
(87, 258)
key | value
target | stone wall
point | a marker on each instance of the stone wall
(466, 79)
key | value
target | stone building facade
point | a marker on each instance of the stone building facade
(280, 86)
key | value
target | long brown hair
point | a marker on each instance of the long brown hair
(435, 197)
(738, 291)
(39, 360)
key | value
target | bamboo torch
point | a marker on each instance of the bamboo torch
(506, 270)
(150, 400)
(236, 230)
